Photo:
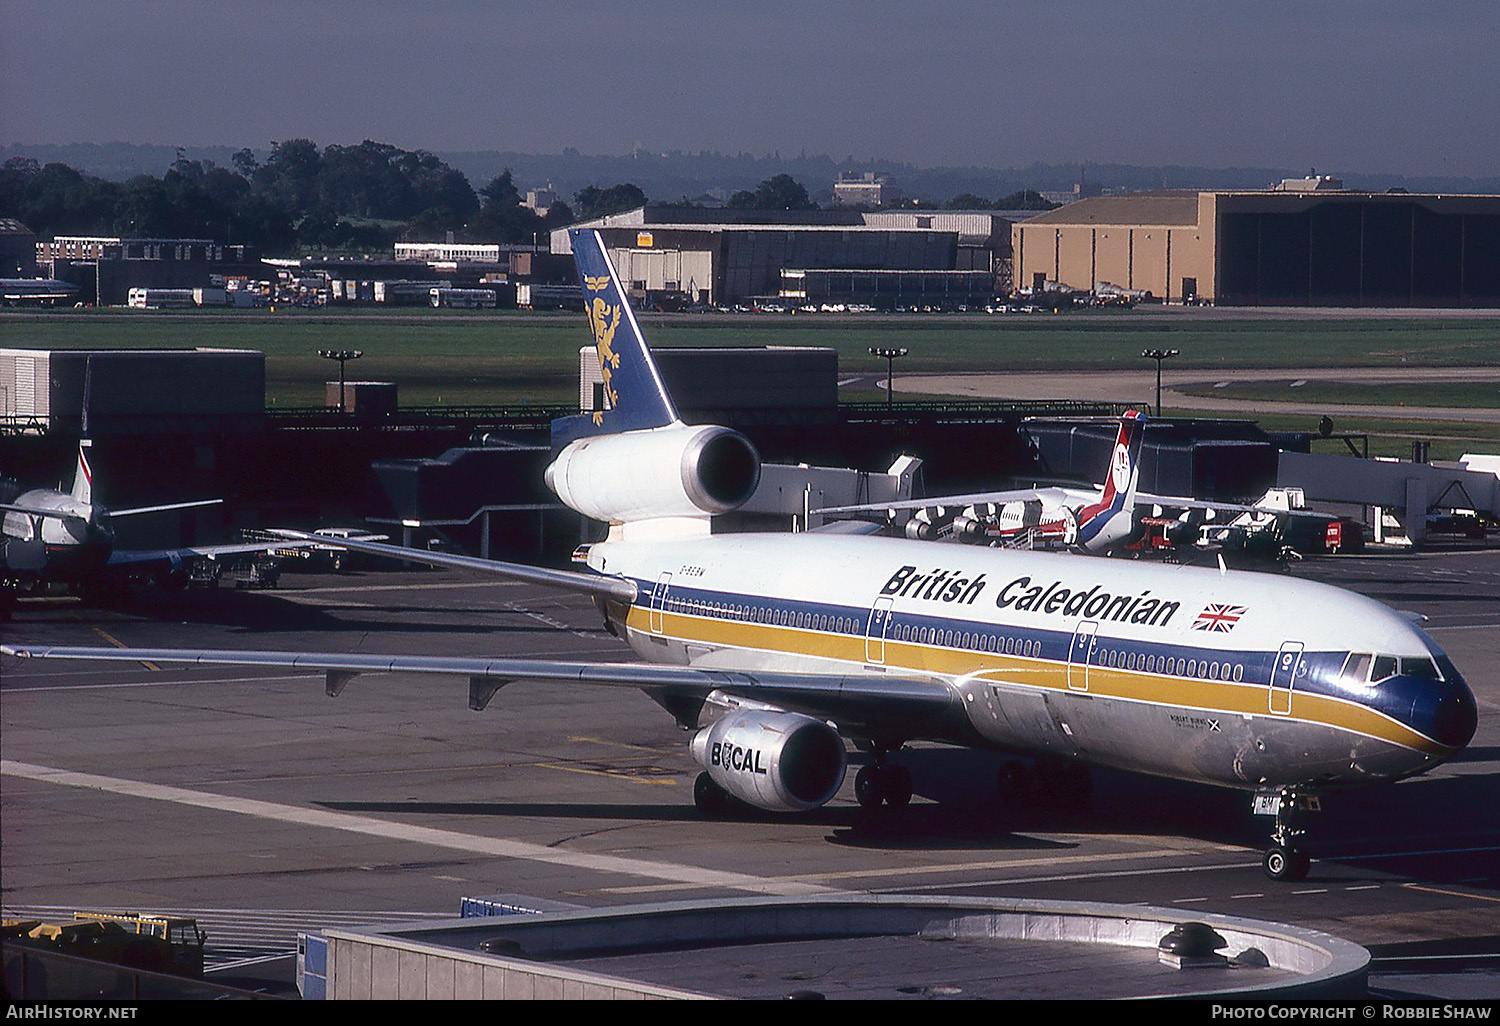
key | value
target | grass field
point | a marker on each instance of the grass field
(462, 358)
(515, 357)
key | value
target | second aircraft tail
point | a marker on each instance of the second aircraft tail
(1111, 520)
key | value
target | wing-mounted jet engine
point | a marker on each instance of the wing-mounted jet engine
(771, 759)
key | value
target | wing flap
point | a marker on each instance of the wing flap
(860, 703)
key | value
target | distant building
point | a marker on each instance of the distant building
(106, 268)
(1306, 242)
(540, 200)
(17, 249)
(983, 235)
(675, 255)
(448, 251)
(860, 189)
(1312, 183)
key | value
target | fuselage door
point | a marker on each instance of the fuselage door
(658, 600)
(1283, 676)
(875, 631)
(1080, 654)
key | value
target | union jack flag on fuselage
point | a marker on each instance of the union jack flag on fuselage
(1218, 616)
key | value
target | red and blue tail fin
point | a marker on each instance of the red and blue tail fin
(83, 476)
(634, 395)
(1109, 520)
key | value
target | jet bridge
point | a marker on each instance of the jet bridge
(1411, 490)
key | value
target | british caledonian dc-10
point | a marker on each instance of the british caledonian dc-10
(777, 650)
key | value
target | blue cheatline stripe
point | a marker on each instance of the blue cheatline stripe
(1052, 647)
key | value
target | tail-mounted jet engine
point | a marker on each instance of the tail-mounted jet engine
(674, 471)
(777, 761)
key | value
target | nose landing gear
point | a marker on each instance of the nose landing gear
(1284, 860)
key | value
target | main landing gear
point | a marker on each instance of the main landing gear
(1284, 860)
(711, 799)
(882, 783)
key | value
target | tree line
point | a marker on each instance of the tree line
(356, 199)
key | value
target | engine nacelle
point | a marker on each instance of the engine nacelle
(674, 471)
(777, 761)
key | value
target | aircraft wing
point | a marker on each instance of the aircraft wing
(139, 559)
(1184, 502)
(599, 585)
(860, 704)
(1058, 496)
(118, 513)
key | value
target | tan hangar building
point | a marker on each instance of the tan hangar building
(1308, 242)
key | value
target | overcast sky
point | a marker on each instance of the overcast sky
(1399, 86)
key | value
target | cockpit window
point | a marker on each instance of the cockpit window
(1365, 668)
(1419, 666)
(1357, 667)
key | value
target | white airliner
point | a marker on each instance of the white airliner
(1098, 521)
(777, 650)
(52, 536)
(1093, 521)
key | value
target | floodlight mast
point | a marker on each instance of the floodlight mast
(1159, 355)
(342, 356)
(889, 355)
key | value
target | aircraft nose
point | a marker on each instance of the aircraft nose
(1457, 715)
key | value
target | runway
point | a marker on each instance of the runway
(253, 798)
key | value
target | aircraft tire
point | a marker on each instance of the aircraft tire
(897, 786)
(867, 788)
(1285, 864)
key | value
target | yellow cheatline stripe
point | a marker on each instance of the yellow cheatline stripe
(1211, 696)
(120, 644)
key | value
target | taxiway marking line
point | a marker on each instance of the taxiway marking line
(120, 644)
(951, 867)
(605, 773)
(679, 875)
(1450, 894)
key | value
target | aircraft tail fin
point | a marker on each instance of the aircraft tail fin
(1111, 518)
(1125, 461)
(83, 477)
(634, 396)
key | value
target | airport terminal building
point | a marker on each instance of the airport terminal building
(1308, 242)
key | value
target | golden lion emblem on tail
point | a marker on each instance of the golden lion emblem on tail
(604, 320)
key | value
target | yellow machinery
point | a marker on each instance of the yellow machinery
(161, 944)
